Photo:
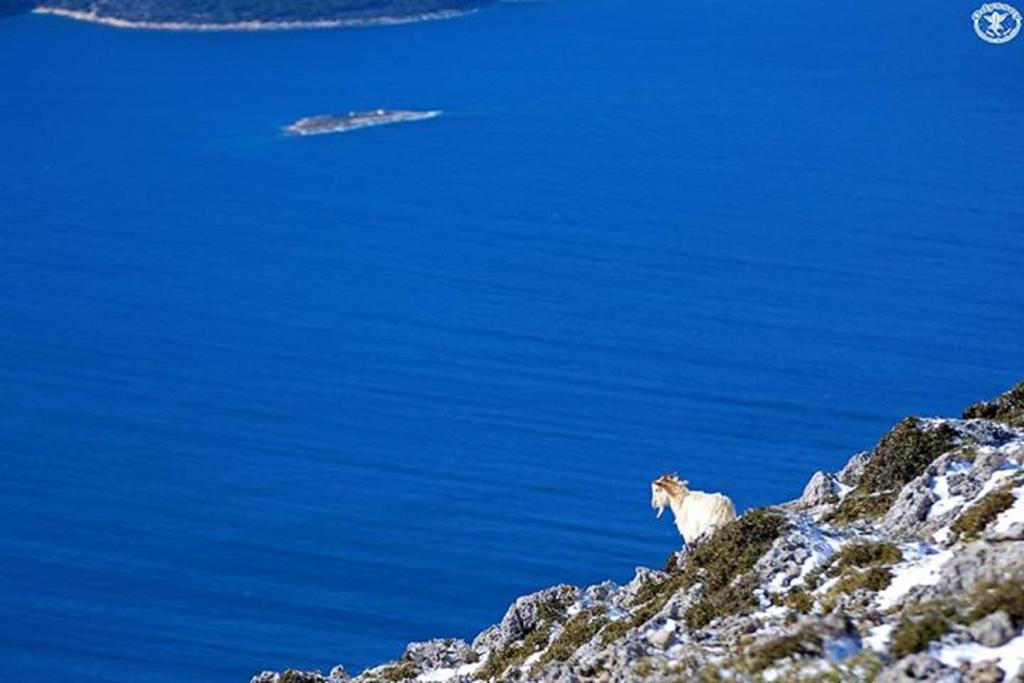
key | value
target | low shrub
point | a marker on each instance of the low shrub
(577, 632)
(914, 632)
(615, 630)
(1007, 408)
(861, 555)
(903, 454)
(514, 654)
(973, 521)
(872, 579)
(790, 646)
(990, 597)
(800, 600)
(295, 676)
(717, 563)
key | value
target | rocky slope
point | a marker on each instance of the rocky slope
(908, 564)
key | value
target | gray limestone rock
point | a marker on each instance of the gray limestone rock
(851, 473)
(820, 491)
(994, 630)
(918, 667)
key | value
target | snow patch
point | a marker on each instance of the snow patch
(1010, 655)
(821, 547)
(878, 637)
(998, 477)
(944, 500)
(1012, 515)
(441, 675)
(921, 570)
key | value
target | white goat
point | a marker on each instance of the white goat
(697, 513)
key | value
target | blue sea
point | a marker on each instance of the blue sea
(269, 401)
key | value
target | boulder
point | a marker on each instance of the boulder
(525, 614)
(821, 490)
(851, 473)
(918, 667)
(987, 671)
(910, 509)
(442, 653)
(994, 630)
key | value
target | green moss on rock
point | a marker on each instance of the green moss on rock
(973, 521)
(902, 454)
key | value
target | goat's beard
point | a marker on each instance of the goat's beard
(661, 509)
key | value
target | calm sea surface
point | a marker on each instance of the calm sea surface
(270, 402)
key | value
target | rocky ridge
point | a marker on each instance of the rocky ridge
(906, 565)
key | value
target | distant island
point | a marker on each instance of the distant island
(220, 15)
(339, 123)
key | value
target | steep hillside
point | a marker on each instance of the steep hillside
(908, 564)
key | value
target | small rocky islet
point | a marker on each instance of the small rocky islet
(353, 120)
(906, 565)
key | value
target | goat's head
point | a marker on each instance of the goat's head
(664, 489)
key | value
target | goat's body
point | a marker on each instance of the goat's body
(699, 513)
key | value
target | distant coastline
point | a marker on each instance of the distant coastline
(252, 25)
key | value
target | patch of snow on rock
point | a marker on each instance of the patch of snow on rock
(1010, 655)
(1013, 515)
(531, 660)
(821, 545)
(442, 675)
(944, 500)
(997, 478)
(878, 637)
(922, 569)
(942, 535)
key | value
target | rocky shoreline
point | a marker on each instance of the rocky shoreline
(906, 565)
